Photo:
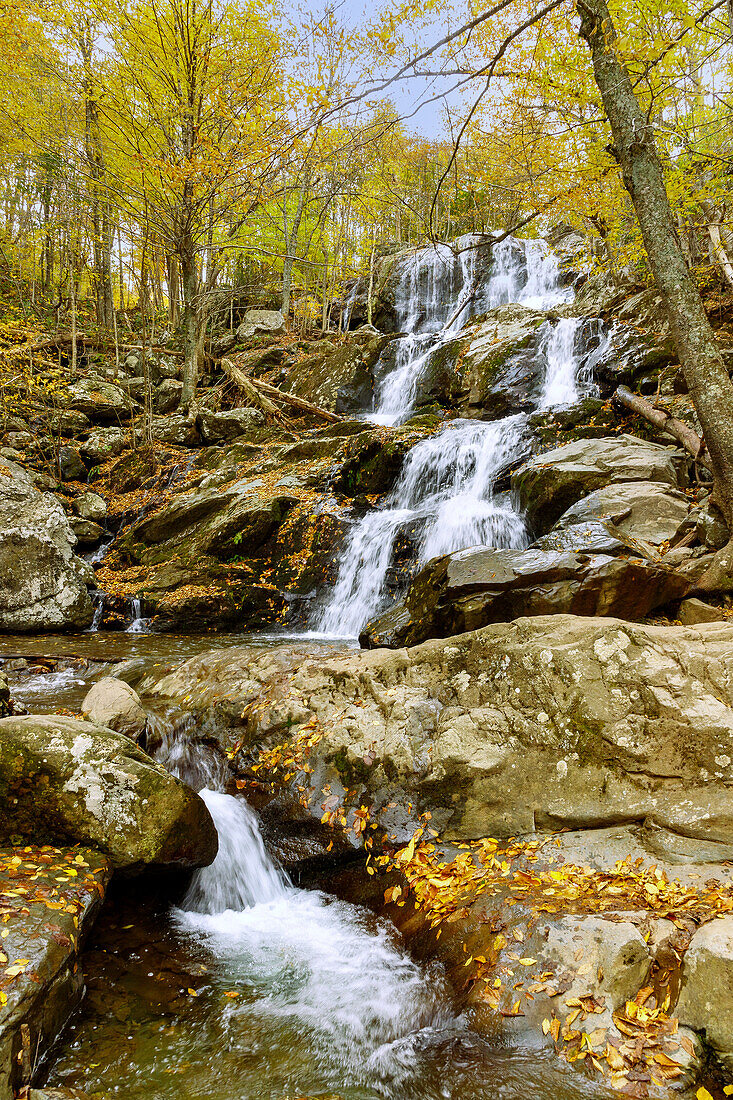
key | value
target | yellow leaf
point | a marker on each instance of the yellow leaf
(703, 1094)
(527, 962)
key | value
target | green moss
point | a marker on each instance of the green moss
(351, 773)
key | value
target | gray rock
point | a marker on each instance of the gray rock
(218, 427)
(177, 431)
(168, 396)
(132, 362)
(90, 506)
(614, 950)
(224, 343)
(648, 513)
(71, 423)
(501, 371)
(552, 482)
(540, 724)
(706, 993)
(113, 703)
(694, 611)
(42, 582)
(103, 402)
(70, 464)
(103, 444)
(265, 320)
(341, 379)
(245, 332)
(88, 533)
(711, 528)
(68, 779)
(471, 588)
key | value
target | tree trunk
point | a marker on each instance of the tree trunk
(291, 242)
(635, 149)
(189, 324)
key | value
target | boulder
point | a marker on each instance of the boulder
(692, 612)
(220, 427)
(177, 431)
(645, 513)
(66, 779)
(88, 533)
(71, 465)
(550, 483)
(103, 402)
(468, 589)
(42, 582)
(706, 991)
(711, 528)
(90, 506)
(265, 320)
(103, 444)
(501, 372)
(112, 703)
(69, 422)
(168, 395)
(541, 724)
(208, 521)
(338, 379)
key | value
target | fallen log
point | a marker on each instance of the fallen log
(272, 391)
(663, 420)
(243, 382)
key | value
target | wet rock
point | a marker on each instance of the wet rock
(176, 430)
(70, 464)
(131, 470)
(44, 929)
(88, 534)
(539, 724)
(694, 611)
(552, 482)
(501, 371)
(471, 588)
(66, 779)
(103, 402)
(706, 1001)
(646, 513)
(90, 506)
(168, 395)
(112, 703)
(220, 427)
(49, 590)
(103, 444)
(372, 460)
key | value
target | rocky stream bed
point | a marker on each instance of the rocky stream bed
(487, 854)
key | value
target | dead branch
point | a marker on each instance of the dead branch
(663, 420)
(263, 388)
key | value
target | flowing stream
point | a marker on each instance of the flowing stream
(445, 498)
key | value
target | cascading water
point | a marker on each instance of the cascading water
(445, 498)
(312, 966)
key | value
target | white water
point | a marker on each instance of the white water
(305, 960)
(138, 625)
(444, 499)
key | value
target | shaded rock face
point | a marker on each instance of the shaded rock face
(649, 513)
(500, 370)
(543, 723)
(104, 443)
(42, 582)
(552, 482)
(66, 779)
(220, 427)
(339, 380)
(706, 994)
(471, 588)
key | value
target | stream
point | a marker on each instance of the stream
(245, 986)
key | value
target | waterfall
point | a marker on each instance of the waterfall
(307, 965)
(445, 498)
(445, 494)
(138, 625)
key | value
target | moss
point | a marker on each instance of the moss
(351, 772)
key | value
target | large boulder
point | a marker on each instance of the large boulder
(544, 723)
(706, 993)
(103, 444)
(649, 513)
(552, 482)
(90, 506)
(221, 427)
(103, 402)
(64, 779)
(338, 379)
(177, 431)
(263, 320)
(112, 703)
(471, 588)
(42, 582)
(501, 371)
